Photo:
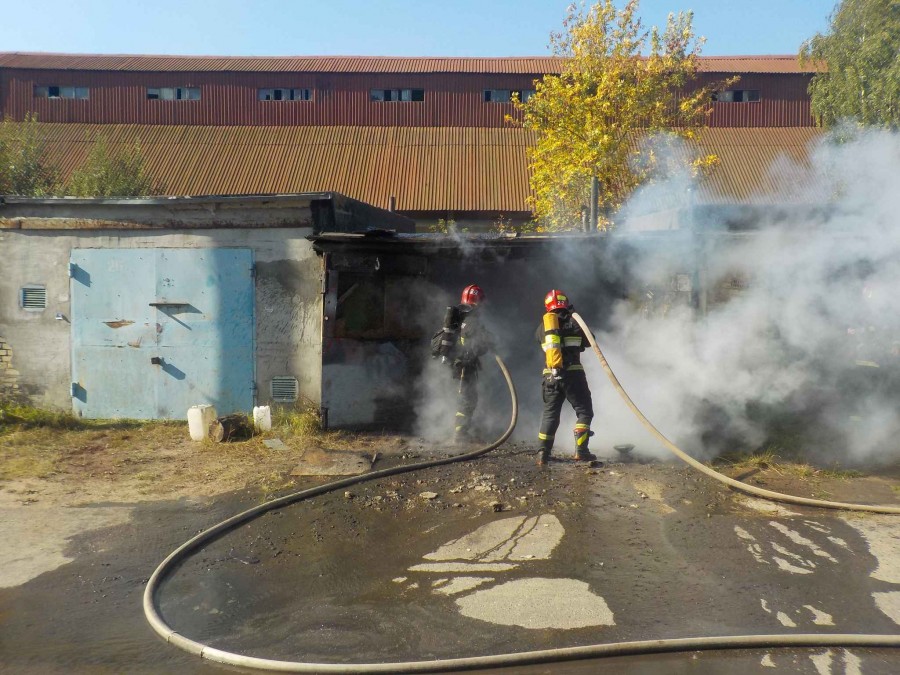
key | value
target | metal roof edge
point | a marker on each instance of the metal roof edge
(174, 200)
(754, 63)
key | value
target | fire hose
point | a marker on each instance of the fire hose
(731, 482)
(167, 566)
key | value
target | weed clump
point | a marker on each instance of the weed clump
(771, 458)
(302, 419)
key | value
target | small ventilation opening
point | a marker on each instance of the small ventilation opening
(284, 389)
(34, 298)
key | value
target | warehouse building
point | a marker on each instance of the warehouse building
(427, 137)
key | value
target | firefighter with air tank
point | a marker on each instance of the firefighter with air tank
(564, 379)
(461, 343)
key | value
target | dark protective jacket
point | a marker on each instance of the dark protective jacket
(572, 342)
(474, 340)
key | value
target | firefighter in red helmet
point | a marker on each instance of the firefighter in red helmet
(461, 343)
(564, 380)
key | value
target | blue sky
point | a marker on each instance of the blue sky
(374, 27)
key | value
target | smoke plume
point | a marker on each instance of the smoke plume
(798, 346)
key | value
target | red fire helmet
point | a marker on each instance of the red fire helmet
(556, 299)
(472, 295)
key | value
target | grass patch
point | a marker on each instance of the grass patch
(749, 460)
(770, 459)
(28, 453)
(147, 476)
(14, 416)
(12, 468)
(302, 419)
(36, 443)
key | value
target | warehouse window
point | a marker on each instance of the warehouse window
(284, 94)
(397, 95)
(55, 91)
(506, 95)
(737, 96)
(173, 93)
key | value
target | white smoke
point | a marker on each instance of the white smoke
(799, 342)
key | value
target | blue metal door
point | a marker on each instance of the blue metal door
(155, 331)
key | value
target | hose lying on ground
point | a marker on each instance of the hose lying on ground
(467, 663)
(738, 485)
(205, 537)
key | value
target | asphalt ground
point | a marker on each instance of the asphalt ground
(484, 557)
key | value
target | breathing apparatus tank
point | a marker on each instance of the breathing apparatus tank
(449, 332)
(552, 342)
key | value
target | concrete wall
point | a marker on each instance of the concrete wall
(288, 302)
(9, 376)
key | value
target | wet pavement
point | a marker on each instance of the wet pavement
(484, 557)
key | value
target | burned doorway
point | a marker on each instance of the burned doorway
(375, 325)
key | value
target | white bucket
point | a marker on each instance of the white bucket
(199, 419)
(262, 418)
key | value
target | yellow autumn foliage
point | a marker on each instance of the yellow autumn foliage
(620, 84)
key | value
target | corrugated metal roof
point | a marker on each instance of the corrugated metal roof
(760, 166)
(529, 65)
(425, 168)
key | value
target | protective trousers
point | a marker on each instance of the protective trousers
(573, 387)
(466, 399)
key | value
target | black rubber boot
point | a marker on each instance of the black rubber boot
(543, 457)
(582, 435)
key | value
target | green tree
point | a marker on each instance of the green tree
(23, 169)
(861, 55)
(620, 83)
(108, 172)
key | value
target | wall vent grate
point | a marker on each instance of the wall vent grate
(284, 389)
(34, 298)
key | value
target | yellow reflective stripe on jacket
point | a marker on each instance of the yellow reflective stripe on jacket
(576, 366)
(572, 341)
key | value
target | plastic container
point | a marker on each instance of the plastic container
(199, 418)
(262, 418)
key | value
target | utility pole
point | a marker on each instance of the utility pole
(595, 197)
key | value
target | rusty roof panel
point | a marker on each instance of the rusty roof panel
(527, 65)
(425, 168)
